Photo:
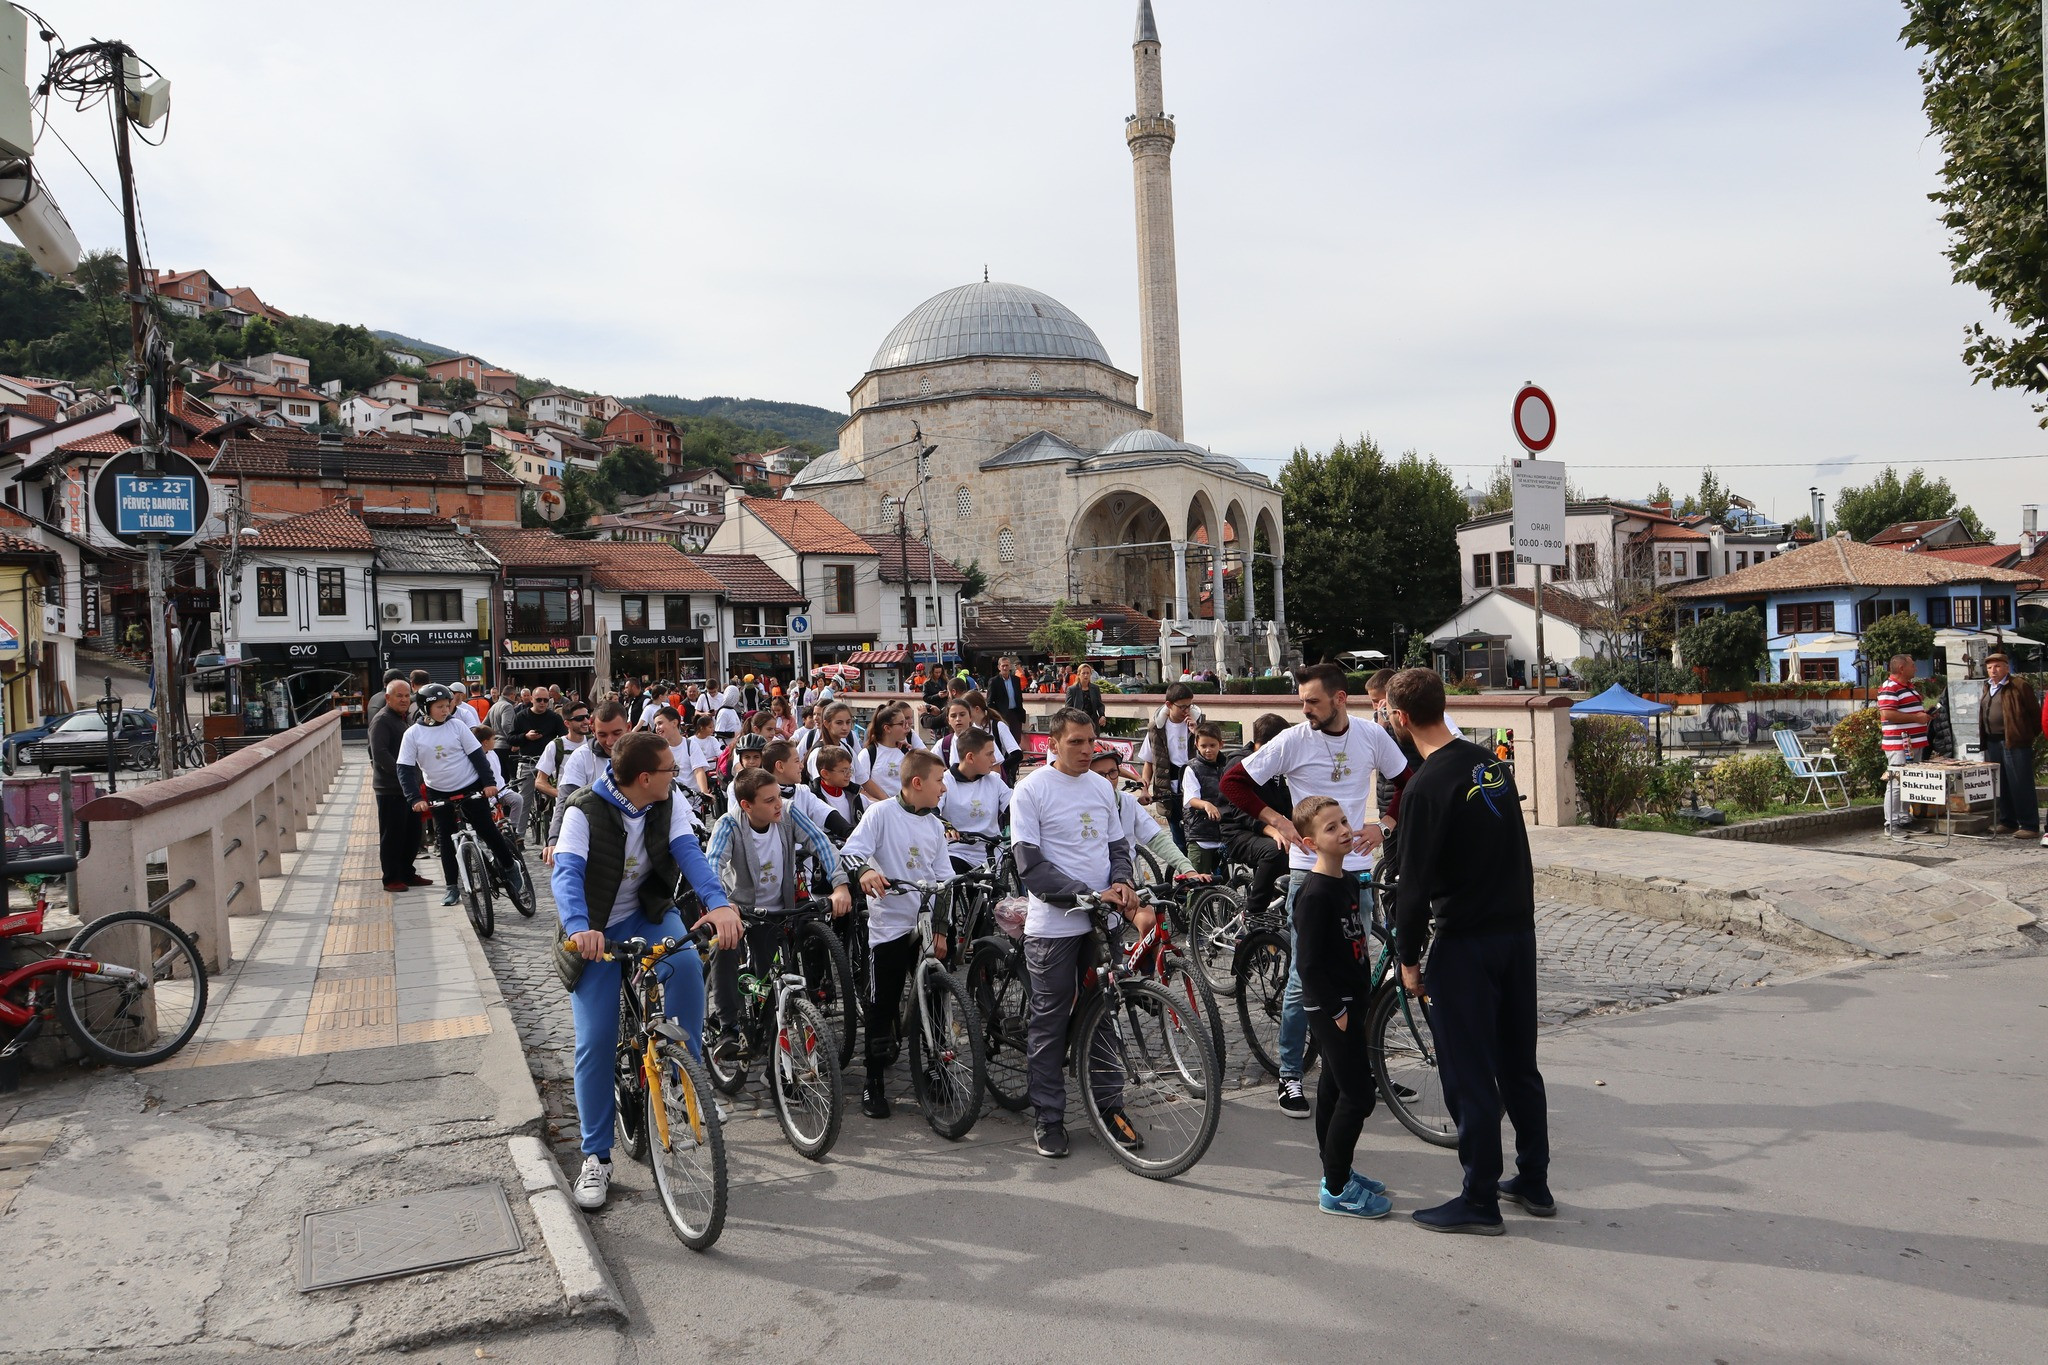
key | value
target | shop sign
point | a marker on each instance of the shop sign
(657, 639)
(539, 646)
(763, 642)
(473, 668)
(404, 639)
(89, 603)
(304, 652)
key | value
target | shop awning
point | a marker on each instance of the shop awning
(551, 661)
(879, 658)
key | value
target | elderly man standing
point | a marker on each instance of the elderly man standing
(2009, 720)
(398, 828)
(499, 717)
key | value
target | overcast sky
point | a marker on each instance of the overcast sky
(1704, 228)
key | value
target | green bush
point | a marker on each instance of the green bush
(1670, 786)
(1640, 676)
(1858, 741)
(1729, 648)
(1753, 782)
(1611, 757)
(1899, 633)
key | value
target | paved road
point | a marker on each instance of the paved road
(1841, 1168)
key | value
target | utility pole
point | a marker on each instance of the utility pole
(145, 399)
(903, 571)
(931, 558)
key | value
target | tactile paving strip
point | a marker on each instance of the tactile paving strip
(405, 1235)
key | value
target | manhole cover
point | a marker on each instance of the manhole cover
(403, 1236)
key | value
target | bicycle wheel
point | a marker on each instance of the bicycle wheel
(728, 1073)
(629, 1086)
(521, 895)
(476, 896)
(539, 818)
(948, 1074)
(1214, 921)
(1001, 996)
(803, 1077)
(1151, 872)
(1403, 1055)
(687, 1147)
(1260, 983)
(1156, 1045)
(1191, 989)
(828, 981)
(148, 1011)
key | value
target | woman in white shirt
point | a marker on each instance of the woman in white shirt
(878, 766)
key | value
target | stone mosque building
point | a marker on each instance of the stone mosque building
(1061, 474)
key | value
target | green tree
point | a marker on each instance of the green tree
(1899, 633)
(459, 390)
(630, 470)
(977, 580)
(1061, 636)
(1980, 78)
(1611, 758)
(1887, 499)
(1730, 647)
(1371, 543)
(259, 337)
(593, 427)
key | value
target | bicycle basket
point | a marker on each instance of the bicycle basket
(1010, 911)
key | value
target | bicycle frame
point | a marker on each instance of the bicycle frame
(15, 1016)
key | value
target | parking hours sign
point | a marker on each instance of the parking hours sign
(163, 506)
(1539, 510)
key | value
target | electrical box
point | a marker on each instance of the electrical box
(147, 101)
(17, 127)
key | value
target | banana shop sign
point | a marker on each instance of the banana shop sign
(539, 646)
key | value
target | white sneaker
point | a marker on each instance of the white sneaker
(725, 1114)
(593, 1183)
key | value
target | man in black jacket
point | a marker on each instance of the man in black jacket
(398, 828)
(1006, 695)
(1466, 883)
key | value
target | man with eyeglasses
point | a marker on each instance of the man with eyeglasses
(560, 748)
(586, 764)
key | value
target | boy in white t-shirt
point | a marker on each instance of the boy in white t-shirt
(901, 838)
(833, 785)
(438, 759)
(508, 797)
(976, 798)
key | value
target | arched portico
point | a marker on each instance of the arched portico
(1123, 551)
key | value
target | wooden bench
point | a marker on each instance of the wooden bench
(1706, 738)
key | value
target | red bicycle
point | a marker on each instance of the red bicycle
(130, 986)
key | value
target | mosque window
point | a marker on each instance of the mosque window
(924, 385)
(1034, 380)
(1006, 545)
(963, 502)
(888, 509)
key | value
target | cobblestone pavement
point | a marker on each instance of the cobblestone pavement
(1590, 960)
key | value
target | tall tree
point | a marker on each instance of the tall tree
(1980, 77)
(1887, 498)
(1371, 543)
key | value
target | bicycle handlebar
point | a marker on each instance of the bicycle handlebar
(632, 948)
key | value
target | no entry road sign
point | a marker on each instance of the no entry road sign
(1535, 419)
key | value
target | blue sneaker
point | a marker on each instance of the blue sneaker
(1367, 1183)
(1355, 1202)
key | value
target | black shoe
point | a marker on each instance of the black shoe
(1293, 1102)
(1459, 1216)
(727, 1046)
(1121, 1129)
(1534, 1199)
(1051, 1139)
(873, 1101)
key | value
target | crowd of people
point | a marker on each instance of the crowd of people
(765, 792)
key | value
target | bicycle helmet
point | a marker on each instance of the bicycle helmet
(751, 744)
(428, 695)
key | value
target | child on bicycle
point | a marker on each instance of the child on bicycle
(1139, 828)
(833, 785)
(900, 839)
(976, 798)
(438, 761)
(1332, 952)
(782, 759)
(757, 849)
(1201, 798)
(508, 797)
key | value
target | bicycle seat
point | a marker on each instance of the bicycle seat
(773, 913)
(49, 865)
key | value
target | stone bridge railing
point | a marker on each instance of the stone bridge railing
(221, 828)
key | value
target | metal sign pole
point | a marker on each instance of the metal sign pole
(1537, 569)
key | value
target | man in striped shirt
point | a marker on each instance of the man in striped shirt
(1904, 720)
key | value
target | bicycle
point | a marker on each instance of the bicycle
(948, 1065)
(129, 987)
(662, 1096)
(803, 1070)
(477, 875)
(1156, 956)
(1400, 1045)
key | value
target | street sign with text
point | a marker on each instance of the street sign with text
(1539, 510)
(135, 503)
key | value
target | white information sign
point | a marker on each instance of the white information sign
(1539, 510)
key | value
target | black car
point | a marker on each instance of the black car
(81, 742)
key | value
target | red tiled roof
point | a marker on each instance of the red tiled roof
(1007, 626)
(288, 452)
(1988, 556)
(746, 579)
(106, 443)
(655, 566)
(807, 527)
(16, 545)
(330, 528)
(1903, 532)
(897, 550)
(405, 521)
(537, 549)
(1838, 562)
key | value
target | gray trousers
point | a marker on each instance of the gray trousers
(1056, 966)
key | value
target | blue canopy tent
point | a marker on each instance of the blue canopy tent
(1619, 701)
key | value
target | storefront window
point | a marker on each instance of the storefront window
(270, 592)
(437, 604)
(333, 593)
(633, 612)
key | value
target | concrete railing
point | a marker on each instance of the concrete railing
(222, 828)
(1541, 728)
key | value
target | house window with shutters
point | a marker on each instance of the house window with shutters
(1504, 568)
(1482, 571)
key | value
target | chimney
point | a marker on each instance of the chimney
(461, 520)
(1820, 513)
(355, 503)
(473, 462)
(1717, 541)
(2030, 534)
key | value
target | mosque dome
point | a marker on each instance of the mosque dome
(989, 319)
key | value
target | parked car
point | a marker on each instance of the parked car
(81, 742)
(12, 745)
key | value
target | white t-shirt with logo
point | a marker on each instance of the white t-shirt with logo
(1072, 821)
(974, 808)
(905, 845)
(550, 764)
(441, 753)
(576, 839)
(883, 765)
(1139, 828)
(1176, 743)
(1338, 766)
(763, 853)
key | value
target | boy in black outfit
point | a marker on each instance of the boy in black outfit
(1466, 882)
(1247, 840)
(1332, 954)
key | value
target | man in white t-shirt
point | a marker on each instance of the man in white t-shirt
(440, 758)
(1330, 753)
(1068, 836)
(585, 764)
(548, 771)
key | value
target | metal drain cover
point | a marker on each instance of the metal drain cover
(405, 1235)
